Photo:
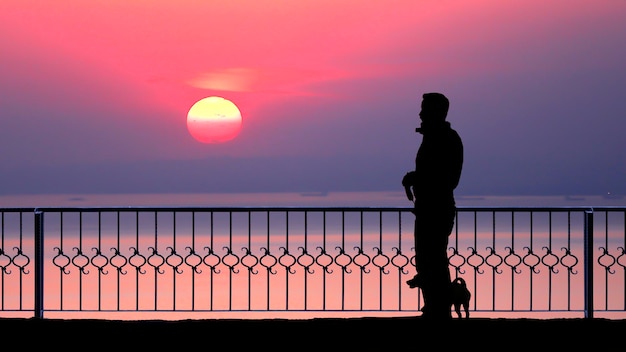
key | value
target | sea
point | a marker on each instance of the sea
(304, 199)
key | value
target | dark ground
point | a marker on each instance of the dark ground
(319, 334)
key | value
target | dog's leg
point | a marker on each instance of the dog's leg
(457, 308)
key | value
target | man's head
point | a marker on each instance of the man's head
(434, 107)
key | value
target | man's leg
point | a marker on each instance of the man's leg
(432, 234)
(424, 260)
(420, 237)
(442, 302)
(439, 301)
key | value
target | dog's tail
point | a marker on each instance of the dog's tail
(459, 280)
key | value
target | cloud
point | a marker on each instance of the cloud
(290, 81)
(228, 79)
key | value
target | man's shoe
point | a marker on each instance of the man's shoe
(416, 281)
(435, 316)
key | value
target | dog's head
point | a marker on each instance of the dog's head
(459, 281)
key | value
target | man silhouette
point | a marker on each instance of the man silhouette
(431, 187)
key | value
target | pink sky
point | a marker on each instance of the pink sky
(339, 83)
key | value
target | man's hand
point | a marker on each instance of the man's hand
(407, 182)
(408, 192)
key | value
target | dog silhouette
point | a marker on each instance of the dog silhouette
(460, 296)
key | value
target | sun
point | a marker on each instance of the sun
(214, 120)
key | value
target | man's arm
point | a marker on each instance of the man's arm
(407, 183)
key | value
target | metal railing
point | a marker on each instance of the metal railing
(181, 262)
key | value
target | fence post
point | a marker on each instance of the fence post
(588, 263)
(39, 264)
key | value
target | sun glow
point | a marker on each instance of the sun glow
(214, 120)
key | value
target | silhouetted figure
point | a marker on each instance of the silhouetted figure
(431, 187)
(460, 297)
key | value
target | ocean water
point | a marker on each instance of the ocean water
(330, 199)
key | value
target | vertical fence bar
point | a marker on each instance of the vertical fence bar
(588, 263)
(39, 264)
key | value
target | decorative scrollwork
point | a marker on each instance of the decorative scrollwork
(137, 260)
(156, 260)
(550, 260)
(569, 260)
(456, 260)
(476, 260)
(230, 259)
(621, 259)
(61, 260)
(20, 260)
(531, 260)
(513, 260)
(174, 260)
(324, 260)
(268, 260)
(343, 260)
(606, 260)
(212, 260)
(306, 260)
(80, 261)
(361, 260)
(5, 261)
(287, 260)
(118, 261)
(99, 261)
(400, 261)
(380, 260)
(193, 260)
(249, 260)
(494, 260)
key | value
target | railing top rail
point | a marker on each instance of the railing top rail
(307, 209)
(17, 210)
